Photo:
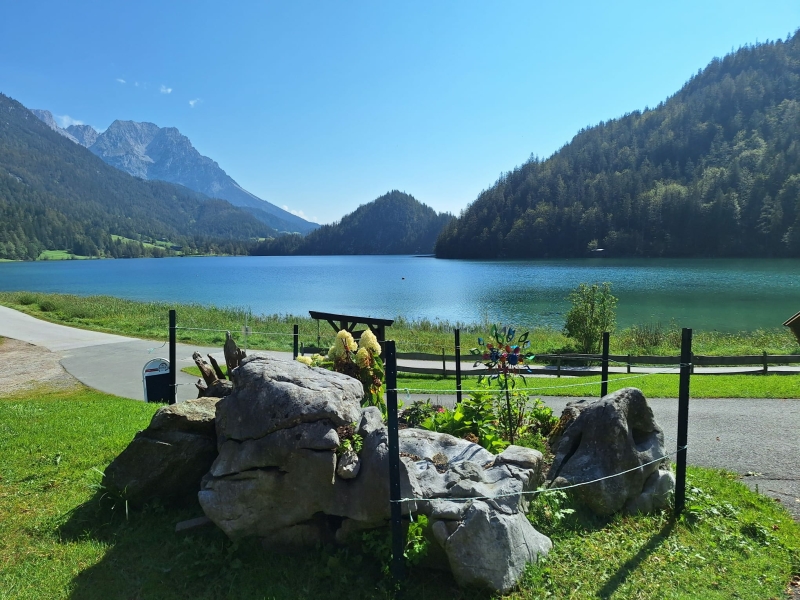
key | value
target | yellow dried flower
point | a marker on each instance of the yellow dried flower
(304, 359)
(344, 340)
(370, 342)
(363, 358)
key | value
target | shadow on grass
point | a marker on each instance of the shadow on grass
(613, 584)
(143, 557)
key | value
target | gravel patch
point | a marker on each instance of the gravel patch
(27, 367)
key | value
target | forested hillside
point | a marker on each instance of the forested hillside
(712, 171)
(395, 223)
(56, 195)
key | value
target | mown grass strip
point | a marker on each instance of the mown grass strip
(150, 320)
(60, 537)
(652, 386)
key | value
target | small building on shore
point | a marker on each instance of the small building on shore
(793, 323)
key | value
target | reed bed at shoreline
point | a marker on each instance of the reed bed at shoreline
(150, 320)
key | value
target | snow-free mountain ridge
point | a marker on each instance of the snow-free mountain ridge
(148, 151)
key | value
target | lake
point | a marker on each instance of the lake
(723, 294)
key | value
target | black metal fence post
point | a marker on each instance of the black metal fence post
(604, 375)
(683, 420)
(398, 540)
(173, 367)
(295, 340)
(458, 365)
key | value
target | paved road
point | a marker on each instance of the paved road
(757, 438)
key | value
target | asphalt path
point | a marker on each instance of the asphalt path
(755, 437)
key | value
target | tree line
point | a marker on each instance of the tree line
(712, 171)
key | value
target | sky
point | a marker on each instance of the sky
(320, 107)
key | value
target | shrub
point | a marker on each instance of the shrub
(593, 312)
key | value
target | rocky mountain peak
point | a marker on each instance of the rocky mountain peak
(86, 135)
(47, 118)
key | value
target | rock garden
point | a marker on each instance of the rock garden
(297, 455)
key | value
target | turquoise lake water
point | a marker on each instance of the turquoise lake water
(723, 294)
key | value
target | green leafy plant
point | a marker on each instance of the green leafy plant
(377, 543)
(593, 312)
(474, 416)
(419, 410)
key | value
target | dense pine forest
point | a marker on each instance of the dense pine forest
(712, 171)
(56, 195)
(395, 223)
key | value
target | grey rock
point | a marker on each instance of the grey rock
(490, 549)
(607, 437)
(348, 465)
(277, 476)
(260, 501)
(169, 458)
(274, 449)
(656, 493)
(272, 394)
(85, 135)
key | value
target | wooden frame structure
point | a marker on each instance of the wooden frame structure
(350, 322)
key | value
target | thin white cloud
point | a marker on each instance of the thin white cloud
(195, 102)
(299, 213)
(120, 80)
(136, 83)
(65, 121)
(165, 89)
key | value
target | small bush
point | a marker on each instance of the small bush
(26, 299)
(47, 306)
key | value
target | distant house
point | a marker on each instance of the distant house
(793, 323)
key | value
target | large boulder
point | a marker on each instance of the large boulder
(281, 475)
(476, 505)
(615, 440)
(168, 459)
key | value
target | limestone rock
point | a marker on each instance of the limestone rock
(348, 465)
(272, 394)
(169, 458)
(490, 549)
(608, 436)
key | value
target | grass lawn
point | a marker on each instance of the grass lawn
(652, 386)
(273, 332)
(61, 255)
(60, 537)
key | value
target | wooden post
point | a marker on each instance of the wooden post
(458, 365)
(444, 365)
(558, 368)
(604, 376)
(629, 364)
(295, 340)
(398, 539)
(173, 367)
(683, 420)
(765, 362)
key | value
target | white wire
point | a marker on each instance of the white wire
(546, 490)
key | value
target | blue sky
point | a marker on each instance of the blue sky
(323, 106)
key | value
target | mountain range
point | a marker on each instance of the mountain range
(57, 195)
(712, 171)
(148, 151)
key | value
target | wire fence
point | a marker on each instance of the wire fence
(546, 490)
